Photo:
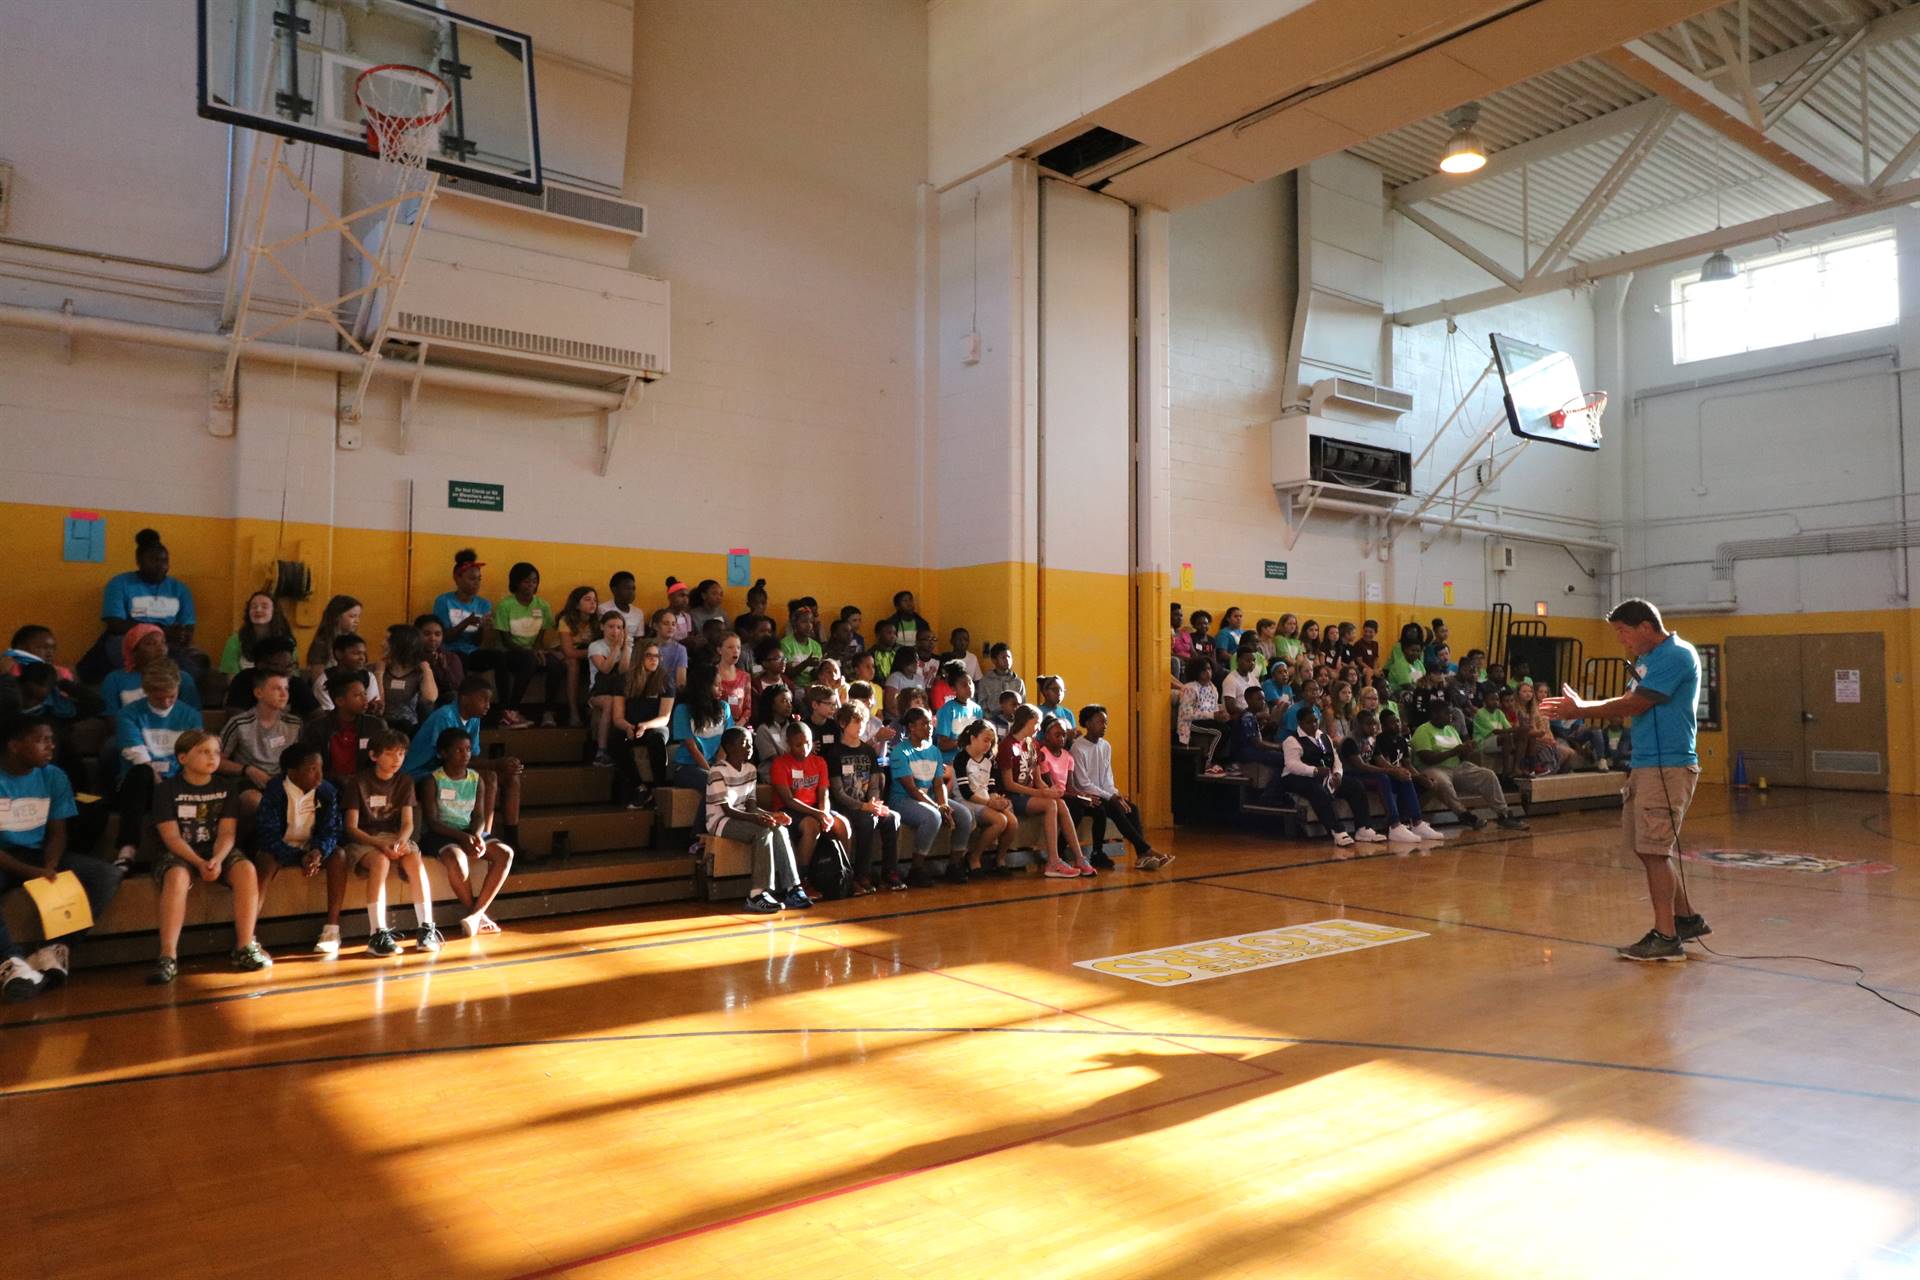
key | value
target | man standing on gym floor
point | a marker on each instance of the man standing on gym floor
(1665, 768)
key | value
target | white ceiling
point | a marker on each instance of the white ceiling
(1671, 195)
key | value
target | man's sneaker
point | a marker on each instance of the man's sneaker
(1427, 831)
(1401, 833)
(1510, 823)
(1473, 820)
(1154, 861)
(329, 944)
(1100, 859)
(796, 899)
(428, 938)
(165, 970)
(894, 883)
(762, 903)
(601, 760)
(251, 958)
(956, 871)
(1686, 927)
(50, 962)
(919, 877)
(1341, 840)
(381, 942)
(1367, 835)
(19, 981)
(1656, 946)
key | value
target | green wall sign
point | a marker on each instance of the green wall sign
(1276, 568)
(472, 495)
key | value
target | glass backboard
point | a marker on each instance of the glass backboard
(1540, 386)
(290, 67)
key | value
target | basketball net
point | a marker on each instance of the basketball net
(404, 107)
(1584, 409)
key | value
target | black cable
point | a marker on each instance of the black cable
(1680, 871)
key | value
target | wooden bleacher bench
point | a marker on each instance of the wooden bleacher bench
(1565, 792)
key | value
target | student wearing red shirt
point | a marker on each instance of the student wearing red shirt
(799, 781)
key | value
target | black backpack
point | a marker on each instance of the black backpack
(831, 872)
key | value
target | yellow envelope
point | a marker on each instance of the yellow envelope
(62, 903)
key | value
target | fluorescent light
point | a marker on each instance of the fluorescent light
(1465, 151)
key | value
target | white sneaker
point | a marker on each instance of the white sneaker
(51, 961)
(1427, 831)
(1603, 765)
(329, 944)
(19, 980)
(1341, 840)
(1367, 835)
(1401, 833)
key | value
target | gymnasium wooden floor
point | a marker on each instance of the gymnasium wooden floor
(924, 1085)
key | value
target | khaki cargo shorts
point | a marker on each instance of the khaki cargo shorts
(1653, 807)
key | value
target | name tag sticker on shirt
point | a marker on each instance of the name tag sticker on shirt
(376, 803)
(186, 811)
(525, 628)
(363, 744)
(398, 686)
(448, 795)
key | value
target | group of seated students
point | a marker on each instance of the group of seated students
(1331, 717)
(343, 765)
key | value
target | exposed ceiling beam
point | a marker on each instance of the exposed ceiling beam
(1638, 63)
(1734, 59)
(1460, 246)
(1898, 166)
(1778, 66)
(1624, 166)
(1786, 95)
(1817, 215)
(1511, 159)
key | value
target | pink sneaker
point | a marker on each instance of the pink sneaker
(1061, 871)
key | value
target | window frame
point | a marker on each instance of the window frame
(1753, 268)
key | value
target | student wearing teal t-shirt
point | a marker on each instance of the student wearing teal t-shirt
(1665, 768)
(457, 801)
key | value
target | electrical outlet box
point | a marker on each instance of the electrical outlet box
(970, 349)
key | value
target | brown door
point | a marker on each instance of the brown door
(1761, 697)
(1809, 710)
(1844, 695)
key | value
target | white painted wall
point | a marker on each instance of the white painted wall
(1002, 73)
(1784, 441)
(779, 147)
(1234, 290)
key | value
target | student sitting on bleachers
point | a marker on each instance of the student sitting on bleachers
(1056, 761)
(381, 822)
(756, 613)
(907, 622)
(469, 711)
(343, 733)
(733, 812)
(259, 620)
(349, 659)
(1312, 772)
(1053, 706)
(456, 805)
(1408, 662)
(274, 655)
(1233, 689)
(679, 615)
(252, 742)
(1201, 721)
(1091, 793)
(196, 824)
(972, 773)
(799, 778)
(1444, 761)
(906, 675)
(858, 787)
(673, 654)
(1387, 776)
(144, 736)
(408, 689)
(466, 616)
(1543, 753)
(1031, 791)
(736, 681)
(142, 646)
(341, 617)
(523, 621)
(149, 594)
(610, 659)
(772, 717)
(699, 721)
(448, 670)
(299, 823)
(957, 712)
(1495, 741)
(919, 796)
(33, 643)
(36, 804)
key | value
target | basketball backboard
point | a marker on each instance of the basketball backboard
(291, 66)
(1544, 397)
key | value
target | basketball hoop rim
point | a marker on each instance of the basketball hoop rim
(389, 119)
(1590, 403)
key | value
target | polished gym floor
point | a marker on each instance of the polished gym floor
(924, 1084)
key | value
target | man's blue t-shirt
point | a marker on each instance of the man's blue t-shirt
(452, 611)
(681, 727)
(29, 801)
(423, 753)
(166, 603)
(1669, 674)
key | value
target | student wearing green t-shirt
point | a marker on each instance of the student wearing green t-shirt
(458, 803)
(1494, 737)
(1443, 760)
(525, 625)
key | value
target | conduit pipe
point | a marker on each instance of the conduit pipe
(1471, 526)
(1881, 537)
(154, 335)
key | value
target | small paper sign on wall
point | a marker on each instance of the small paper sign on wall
(739, 567)
(1846, 685)
(1186, 576)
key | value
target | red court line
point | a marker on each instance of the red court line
(818, 1197)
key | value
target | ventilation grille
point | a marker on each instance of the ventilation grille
(1085, 151)
(1867, 762)
(532, 344)
(562, 202)
(1760, 763)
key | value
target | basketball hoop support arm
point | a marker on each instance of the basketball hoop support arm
(610, 420)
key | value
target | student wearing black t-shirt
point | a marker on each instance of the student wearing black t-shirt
(1387, 773)
(196, 820)
(858, 787)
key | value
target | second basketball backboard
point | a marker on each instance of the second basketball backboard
(291, 66)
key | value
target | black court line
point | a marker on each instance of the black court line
(1720, 874)
(1313, 1042)
(752, 931)
(1202, 881)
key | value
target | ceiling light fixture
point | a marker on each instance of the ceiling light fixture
(1465, 151)
(1719, 266)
